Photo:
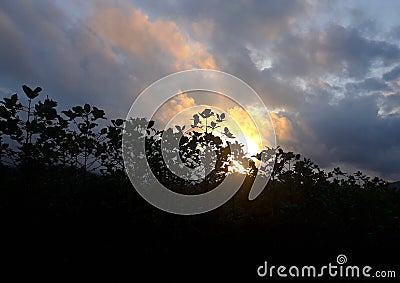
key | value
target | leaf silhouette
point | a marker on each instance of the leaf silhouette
(87, 108)
(196, 120)
(78, 110)
(119, 122)
(180, 130)
(4, 113)
(220, 118)
(31, 94)
(214, 125)
(207, 113)
(228, 133)
(98, 113)
(151, 124)
(10, 103)
(71, 115)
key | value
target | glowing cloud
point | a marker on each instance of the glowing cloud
(178, 104)
(283, 128)
(132, 31)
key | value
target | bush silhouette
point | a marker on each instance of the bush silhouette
(66, 167)
(39, 136)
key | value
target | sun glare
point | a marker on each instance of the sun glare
(252, 146)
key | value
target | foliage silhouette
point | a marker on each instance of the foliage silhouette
(72, 141)
(62, 168)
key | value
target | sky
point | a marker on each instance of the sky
(329, 71)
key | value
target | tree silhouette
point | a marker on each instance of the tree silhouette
(38, 136)
(196, 149)
(66, 167)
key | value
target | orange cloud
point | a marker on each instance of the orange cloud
(178, 104)
(283, 128)
(132, 31)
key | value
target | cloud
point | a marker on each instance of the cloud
(66, 62)
(393, 74)
(283, 128)
(249, 21)
(390, 105)
(337, 50)
(176, 105)
(352, 133)
(395, 32)
(106, 56)
(203, 29)
(130, 30)
(368, 85)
